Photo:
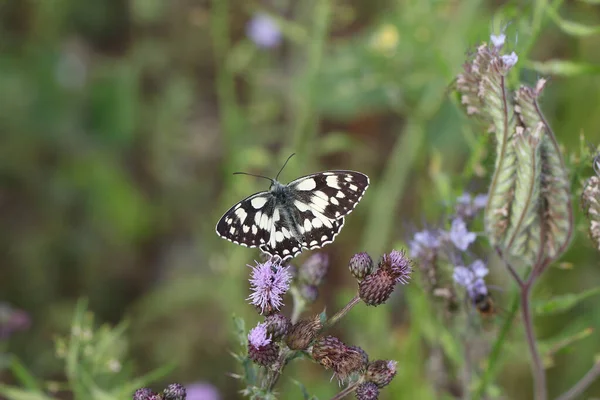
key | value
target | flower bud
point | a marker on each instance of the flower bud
(303, 333)
(174, 391)
(261, 349)
(376, 288)
(360, 265)
(143, 394)
(367, 391)
(381, 372)
(314, 269)
(278, 326)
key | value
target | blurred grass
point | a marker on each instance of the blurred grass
(122, 122)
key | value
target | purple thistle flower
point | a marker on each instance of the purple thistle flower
(269, 282)
(400, 266)
(460, 236)
(202, 391)
(263, 31)
(257, 337)
(471, 278)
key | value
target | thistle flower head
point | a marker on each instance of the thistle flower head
(269, 282)
(399, 266)
(174, 391)
(459, 235)
(381, 372)
(263, 31)
(277, 326)
(333, 354)
(302, 333)
(377, 287)
(261, 348)
(143, 394)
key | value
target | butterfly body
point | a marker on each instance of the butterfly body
(306, 213)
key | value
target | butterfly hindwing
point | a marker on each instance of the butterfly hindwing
(285, 237)
(248, 223)
(332, 193)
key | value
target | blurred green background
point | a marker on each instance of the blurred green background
(122, 121)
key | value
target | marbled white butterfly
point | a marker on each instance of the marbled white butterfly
(306, 213)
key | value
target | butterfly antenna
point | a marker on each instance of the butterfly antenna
(258, 176)
(284, 164)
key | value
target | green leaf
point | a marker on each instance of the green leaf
(12, 393)
(23, 375)
(570, 27)
(563, 303)
(305, 394)
(563, 67)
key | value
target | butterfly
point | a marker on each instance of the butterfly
(307, 213)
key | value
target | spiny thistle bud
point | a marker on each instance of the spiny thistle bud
(302, 333)
(314, 269)
(309, 293)
(333, 354)
(381, 372)
(360, 265)
(261, 348)
(367, 391)
(174, 391)
(143, 394)
(328, 350)
(363, 354)
(590, 202)
(278, 326)
(376, 288)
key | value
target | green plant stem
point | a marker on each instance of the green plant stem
(537, 367)
(494, 358)
(333, 320)
(346, 392)
(583, 383)
(305, 125)
(229, 114)
(276, 373)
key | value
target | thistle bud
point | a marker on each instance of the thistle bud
(360, 265)
(333, 354)
(376, 288)
(367, 391)
(303, 333)
(277, 326)
(381, 372)
(314, 269)
(143, 394)
(174, 391)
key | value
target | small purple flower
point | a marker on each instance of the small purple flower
(400, 266)
(269, 282)
(460, 236)
(202, 391)
(257, 337)
(498, 41)
(480, 201)
(423, 243)
(263, 31)
(471, 278)
(510, 60)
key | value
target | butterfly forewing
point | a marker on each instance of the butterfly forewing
(248, 223)
(307, 213)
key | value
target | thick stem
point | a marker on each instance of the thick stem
(333, 320)
(583, 383)
(537, 367)
(346, 392)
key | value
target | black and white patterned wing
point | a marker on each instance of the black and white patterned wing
(249, 222)
(332, 193)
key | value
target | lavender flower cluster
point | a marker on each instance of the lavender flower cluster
(437, 249)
